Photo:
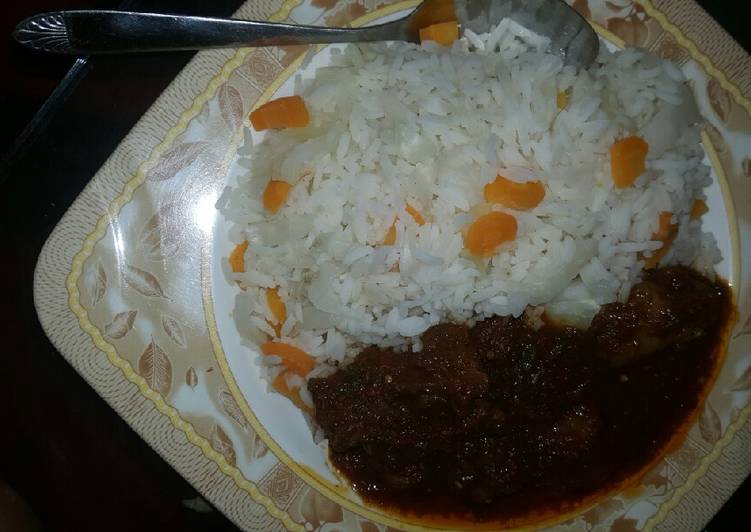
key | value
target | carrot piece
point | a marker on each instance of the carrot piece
(293, 394)
(666, 233)
(237, 257)
(698, 209)
(294, 359)
(289, 111)
(415, 214)
(433, 12)
(275, 195)
(488, 232)
(666, 229)
(627, 160)
(519, 196)
(277, 308)
(390, 238)
(561, 99)
(444, 33)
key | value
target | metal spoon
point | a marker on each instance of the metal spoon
(96, 32)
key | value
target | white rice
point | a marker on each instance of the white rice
(430, 126)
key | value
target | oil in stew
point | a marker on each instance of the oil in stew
(499, 421)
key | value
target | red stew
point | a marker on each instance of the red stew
(500, 420)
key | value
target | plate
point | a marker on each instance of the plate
(129, 285)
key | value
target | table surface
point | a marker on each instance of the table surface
(87, 470)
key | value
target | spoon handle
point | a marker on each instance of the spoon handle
(102, 32)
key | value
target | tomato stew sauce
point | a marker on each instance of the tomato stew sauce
(500, 421)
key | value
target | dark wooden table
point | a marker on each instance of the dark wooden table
(67, 461)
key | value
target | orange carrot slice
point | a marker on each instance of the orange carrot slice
(275, 195)
(666, 233)
(561, 99)
(289, 111)
(390, 238)
(444, 33)
(277, 308)
(433, 12)
(488, 232)
(628, 160)
(519, 196)
(666, 229)
(294, 359)
(698, 209)
(293, 394)
(237, 257)
(415, 214)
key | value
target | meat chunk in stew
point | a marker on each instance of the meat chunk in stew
(500, 420)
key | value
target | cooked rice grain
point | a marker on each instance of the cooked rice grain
(398, 123)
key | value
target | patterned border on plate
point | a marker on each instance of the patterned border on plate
(207, 461)
(708, 42)
(324, 486)
(172, 436)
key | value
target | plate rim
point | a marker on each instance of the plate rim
(133, 183)
(331, 491)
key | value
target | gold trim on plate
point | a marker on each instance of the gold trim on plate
(695, 53)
